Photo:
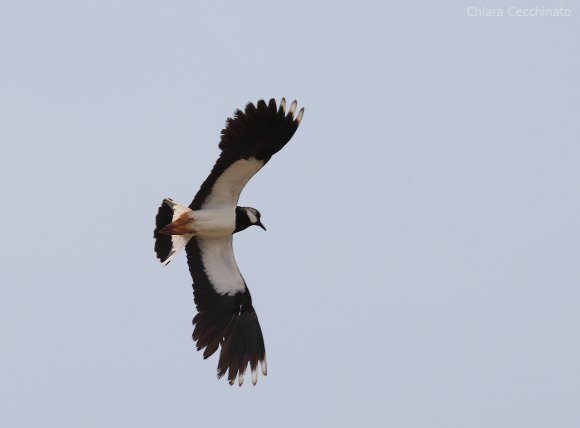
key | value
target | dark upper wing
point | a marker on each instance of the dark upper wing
(225, 315)
(248, 141)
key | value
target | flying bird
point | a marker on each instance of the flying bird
(225, 316)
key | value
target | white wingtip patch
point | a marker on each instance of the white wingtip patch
(283, 105)
(254, 376)
(241, 379)
(264, 367)
(293, 107)
(300, 114)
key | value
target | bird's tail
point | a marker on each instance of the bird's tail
(167, 245)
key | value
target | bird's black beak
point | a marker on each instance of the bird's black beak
(259, 223)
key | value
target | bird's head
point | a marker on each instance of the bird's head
(246, 217)
(254, 217)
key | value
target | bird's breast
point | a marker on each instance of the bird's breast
(214, 222)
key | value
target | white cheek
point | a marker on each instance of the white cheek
(252, 217)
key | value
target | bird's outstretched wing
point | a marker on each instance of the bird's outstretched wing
(248, 142)
(226, 317)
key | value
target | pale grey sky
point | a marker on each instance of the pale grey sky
(421, 265)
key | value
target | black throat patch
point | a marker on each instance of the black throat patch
(242, 220)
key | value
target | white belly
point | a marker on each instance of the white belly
(213, 223)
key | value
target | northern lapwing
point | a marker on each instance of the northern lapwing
(225, 315)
